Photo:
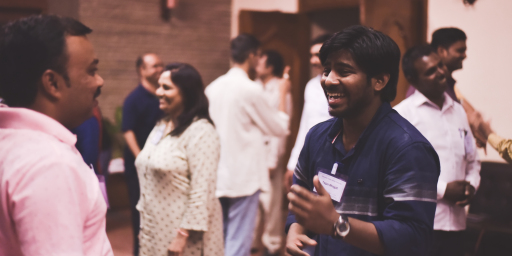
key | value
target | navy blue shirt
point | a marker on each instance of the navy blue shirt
(140, 113)
(88, 141)
(391, 175)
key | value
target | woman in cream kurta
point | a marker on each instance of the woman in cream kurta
(177, 177)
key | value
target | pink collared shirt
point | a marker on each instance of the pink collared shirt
(50, 201)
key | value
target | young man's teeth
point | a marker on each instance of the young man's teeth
(336, 94)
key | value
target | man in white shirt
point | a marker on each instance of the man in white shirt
(242, 117)
(315, 106)
(444, 123)
(272, 76)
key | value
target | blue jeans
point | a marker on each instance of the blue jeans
(239, 222)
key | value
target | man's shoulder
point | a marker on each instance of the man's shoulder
(241, 86)
(404, 106)
(400, 133)
(459, 109)
(320, 131)
(313, 82)
(136, 95)
(27, 148)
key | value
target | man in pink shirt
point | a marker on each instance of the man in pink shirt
(50, 200)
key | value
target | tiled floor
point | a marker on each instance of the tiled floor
(119, 232)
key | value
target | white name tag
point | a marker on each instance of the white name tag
(333, 185)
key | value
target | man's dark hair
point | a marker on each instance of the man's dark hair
(29, 47)
(139, 62)
(374, 52)
(320, 39)
(195, 103)
(242, 46)
(410, 56)
(275, 60)
(445, 37)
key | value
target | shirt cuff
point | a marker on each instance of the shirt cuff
(441, 189)
(494, 140)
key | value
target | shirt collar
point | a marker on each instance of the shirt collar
(23, 118)
(336, 129)
(237, 71)
(419, 99)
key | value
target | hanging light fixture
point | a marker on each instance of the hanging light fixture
(171, 4)
(166, 7)
(469, 2)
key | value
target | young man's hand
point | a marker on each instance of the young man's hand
(314, 212)
(297, 240)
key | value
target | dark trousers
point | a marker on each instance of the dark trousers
(449, 243)
(132, 181)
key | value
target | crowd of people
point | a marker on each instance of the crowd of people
(205, 165)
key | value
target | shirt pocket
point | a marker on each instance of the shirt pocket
(459, 141)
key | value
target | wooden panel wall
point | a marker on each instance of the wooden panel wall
(15, 9)
(197, 32)
(403, 20)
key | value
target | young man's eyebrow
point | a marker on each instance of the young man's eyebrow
(343, 64)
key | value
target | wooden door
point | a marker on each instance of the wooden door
(405, 21)
(15, 9)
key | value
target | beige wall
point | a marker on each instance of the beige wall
(485, 79)
(197, 33)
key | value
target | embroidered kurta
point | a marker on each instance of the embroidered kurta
(177, 177)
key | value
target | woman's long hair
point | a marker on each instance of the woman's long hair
(195, 103)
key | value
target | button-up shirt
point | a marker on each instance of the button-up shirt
(51, 202)
(275, 146)
(242, 117)
(448, 131)
(391, 176)
(316, 110)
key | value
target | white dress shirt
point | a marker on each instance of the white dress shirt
(275, 145)
(316, 110)
(448, 131)
(242, 117)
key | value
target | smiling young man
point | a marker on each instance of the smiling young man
(51, 200)
(365, 182)
(443, 122)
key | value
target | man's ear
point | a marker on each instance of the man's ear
(441, 51)
(52, 84)
(380, 81)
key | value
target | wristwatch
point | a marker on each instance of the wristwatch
(341, 227)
